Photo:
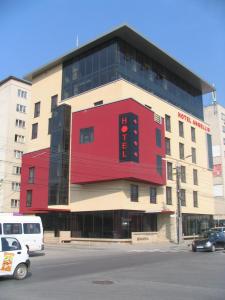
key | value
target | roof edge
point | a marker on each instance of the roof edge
(11, 77)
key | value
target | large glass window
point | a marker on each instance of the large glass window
(117, 59)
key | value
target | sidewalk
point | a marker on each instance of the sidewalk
(163, 246)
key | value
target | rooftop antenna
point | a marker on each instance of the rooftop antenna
(77, 42)
(214, 100)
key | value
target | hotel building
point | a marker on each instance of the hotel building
(118, 136)
(14, 101)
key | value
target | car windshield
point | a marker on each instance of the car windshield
(209, 233)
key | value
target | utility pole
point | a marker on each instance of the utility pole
(179, 212)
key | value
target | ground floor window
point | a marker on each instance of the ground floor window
(196, 224)
(101, 224)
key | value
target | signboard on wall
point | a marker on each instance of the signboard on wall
(128, 138)
(217, 170)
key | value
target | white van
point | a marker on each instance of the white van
(27, 228)
(14, 258)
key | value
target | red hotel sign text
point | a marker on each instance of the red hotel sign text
(193, 122)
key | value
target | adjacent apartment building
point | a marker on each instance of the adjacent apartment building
(14, 102)
(215, 116)
(110, 123)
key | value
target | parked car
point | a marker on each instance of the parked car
(210, 241)
(14, 258)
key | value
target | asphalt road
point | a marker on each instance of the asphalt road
(97, 273)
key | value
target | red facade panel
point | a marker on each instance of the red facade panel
(101, 160)
(39, 160)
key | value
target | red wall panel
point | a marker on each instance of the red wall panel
(40, 161)
(99, 161)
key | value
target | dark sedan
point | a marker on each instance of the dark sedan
(210, 241)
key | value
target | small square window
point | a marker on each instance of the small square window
(87, 135)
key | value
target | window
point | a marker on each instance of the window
(167, 143)
(22, 94)
(169, 171)
(222, 116)
(16, 170)
(37, 107)
(182, 197)
(15, 203)
(49, 125)
(29, 198)
(168, 195)
(183, 174)
(223, 128)
(86, 135)
(34, 131)
(159, 164)
(134, 193)
(181, 129)
(195, 177)
(153, 195)
(195, 199)
(181, 150)
(12, 228)
(21, 108)
(20, 123)
(31, 228)
(193, 137)
(54, 101)
(15, 186)
(19, 138)
(18, 154)
(168, 123)
(158, 137)
(31, 175)
(193, 155)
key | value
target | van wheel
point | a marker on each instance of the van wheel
(213, 248)
(20, 271)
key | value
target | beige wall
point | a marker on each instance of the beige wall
(115, 195)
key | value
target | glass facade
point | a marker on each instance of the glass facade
(117, 224)
(196, 224)
(59, 155)
(117, 59)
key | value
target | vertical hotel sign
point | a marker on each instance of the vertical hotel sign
(128, 138)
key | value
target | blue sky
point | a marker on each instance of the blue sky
(192, 31)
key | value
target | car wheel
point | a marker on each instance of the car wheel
(20, 271)
(213, 248)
